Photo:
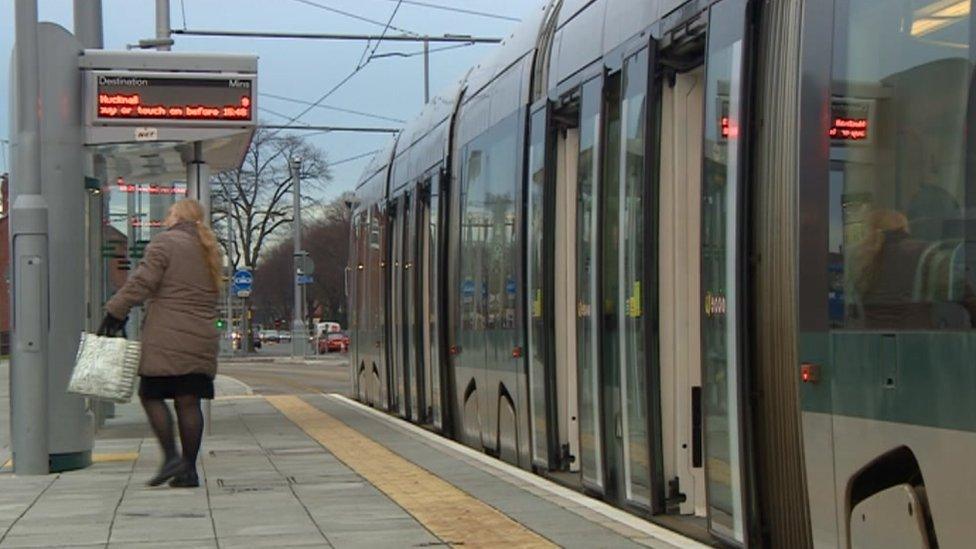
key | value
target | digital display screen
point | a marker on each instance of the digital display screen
(849, 120)
(178, 98)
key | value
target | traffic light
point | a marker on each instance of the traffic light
(221, 324)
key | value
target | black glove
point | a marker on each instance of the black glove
(111, 326)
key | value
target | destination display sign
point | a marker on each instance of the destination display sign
(161, 98)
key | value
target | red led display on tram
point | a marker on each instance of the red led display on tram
(850, 129)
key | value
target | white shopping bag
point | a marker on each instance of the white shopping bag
(105, 368)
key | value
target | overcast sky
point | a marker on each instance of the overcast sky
(304, 69)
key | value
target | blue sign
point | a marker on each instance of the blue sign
(467, 288)
(243, 280)
(510, 286)
(304, 279)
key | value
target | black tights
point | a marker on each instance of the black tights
(190, 418)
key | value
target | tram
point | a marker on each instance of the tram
(710, 261)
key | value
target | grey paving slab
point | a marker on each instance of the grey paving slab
(382, 538)
(195, 544)
(282, 540)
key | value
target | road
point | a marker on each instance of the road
(269, 373)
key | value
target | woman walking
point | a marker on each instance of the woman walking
(178, 280)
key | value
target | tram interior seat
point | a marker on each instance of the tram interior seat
(939, 282)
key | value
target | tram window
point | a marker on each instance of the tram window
(902, 205)
(500, 199)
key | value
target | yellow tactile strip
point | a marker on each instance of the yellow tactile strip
(96, 458)
(450, 514)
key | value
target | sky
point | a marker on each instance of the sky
(304, 70)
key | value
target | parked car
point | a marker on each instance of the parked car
(269, 336)
(284, 336)
(334, 342)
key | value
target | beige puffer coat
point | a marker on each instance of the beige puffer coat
(179, 335)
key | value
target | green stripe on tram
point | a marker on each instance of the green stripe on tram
(918, 378)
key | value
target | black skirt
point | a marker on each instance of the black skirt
(159, 387)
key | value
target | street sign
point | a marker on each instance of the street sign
(304, 279)
(243, 280)
(304, 264)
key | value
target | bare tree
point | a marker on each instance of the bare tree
(256, 198)
(327, 241)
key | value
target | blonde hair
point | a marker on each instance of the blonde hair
(191, 211)
(867, 255)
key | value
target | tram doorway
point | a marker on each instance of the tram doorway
(679, 224)
(567, 396)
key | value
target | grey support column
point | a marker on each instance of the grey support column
(162, 25)
(198, 179)
(88, 31)
(88, 23)
(71, 429)
(198, 188)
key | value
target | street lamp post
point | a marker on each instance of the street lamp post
(298, 334)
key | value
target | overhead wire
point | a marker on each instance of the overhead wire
(420, 52)
(353, 158)
(323, 97)
(389, 21)
(354, 16)
(332, 108)
(275, 113)
(359, 67)
(459, 10)
(183, 11)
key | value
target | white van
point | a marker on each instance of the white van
(323, 328)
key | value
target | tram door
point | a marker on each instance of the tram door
(428, 277)
(412, 358)
(396, 373)
(722, 284)
(702, 415)
(565, 412)
(626, 268)
(679, 224)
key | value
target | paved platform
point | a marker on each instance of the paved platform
(307, 470)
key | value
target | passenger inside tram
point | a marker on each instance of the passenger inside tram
(892, 293)
(900, 185)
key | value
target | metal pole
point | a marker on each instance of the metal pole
(298, 320)
(29, 235)
(163, 30)
(229, 335)
(426, 70)
(88, 31)
(88, 23)
(447, 38)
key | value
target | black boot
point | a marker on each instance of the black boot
(187, 478)
(168, 470)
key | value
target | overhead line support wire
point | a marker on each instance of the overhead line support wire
(331, 107)
(450, 38)
(460, 10)
(362, 129)
(362, 59)
(351, 15)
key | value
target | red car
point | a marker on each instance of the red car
(334, 342)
